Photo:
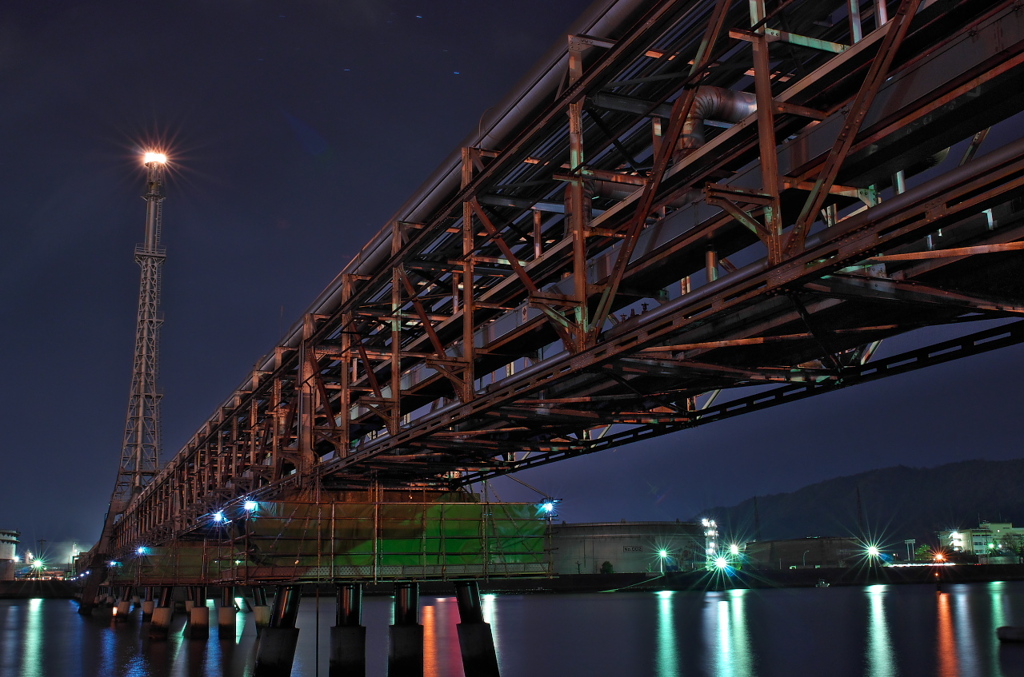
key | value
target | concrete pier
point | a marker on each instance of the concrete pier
(405, 649)
(199, 615)
(475, 639)
(276, 650)
(260, 609)
(348, 636)
(226, 613)
(162, 614)
(148, 605)
(123, 605)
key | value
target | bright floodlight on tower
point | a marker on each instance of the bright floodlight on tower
(152, 156)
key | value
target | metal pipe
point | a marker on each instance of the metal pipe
(714, 103)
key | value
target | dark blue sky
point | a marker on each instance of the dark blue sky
(295, 130)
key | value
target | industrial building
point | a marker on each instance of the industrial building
(987, 538)
(627, 547)
(825, 551)
(8, 552)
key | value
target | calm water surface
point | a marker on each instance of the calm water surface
(878, 631)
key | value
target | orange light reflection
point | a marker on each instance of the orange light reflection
(949, 665)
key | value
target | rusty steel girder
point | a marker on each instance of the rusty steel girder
(585, 274)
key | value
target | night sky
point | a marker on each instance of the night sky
(295, 130)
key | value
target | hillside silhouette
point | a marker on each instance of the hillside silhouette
(886, 505)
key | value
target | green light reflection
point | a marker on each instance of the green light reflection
(667, 655)
(880, 659)
(742, 659)
(997, 599)
(727, 638)
(995, 591)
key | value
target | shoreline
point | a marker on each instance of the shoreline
(644, 582)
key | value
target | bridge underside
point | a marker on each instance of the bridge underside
(697, 210)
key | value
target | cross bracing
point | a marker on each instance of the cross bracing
(692, 210)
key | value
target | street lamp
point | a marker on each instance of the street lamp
(662, 556)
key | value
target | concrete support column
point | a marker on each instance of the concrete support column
(199, 615)
(147, 605)
(475, 639)
(162, 614)
(348, 636)
(276, 649)
(405, 651)
(226, 613)
(260, 609)
(123, 605)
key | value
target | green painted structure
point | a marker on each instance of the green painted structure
(307, 541)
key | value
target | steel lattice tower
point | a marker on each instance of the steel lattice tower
(140, 453)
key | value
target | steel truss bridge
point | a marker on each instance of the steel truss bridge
(688, 211)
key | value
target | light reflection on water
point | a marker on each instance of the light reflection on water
(946, 645)
(32, 644)
(879, 631)
(667, 656)
(880, 659)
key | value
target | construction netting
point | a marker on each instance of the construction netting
(311, 541)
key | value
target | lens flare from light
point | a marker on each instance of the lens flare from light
(151, 156)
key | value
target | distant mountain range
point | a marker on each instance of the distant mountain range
(891, 504)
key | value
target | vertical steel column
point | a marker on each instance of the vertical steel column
(711, 263)
(475, 639)
(395, 414)
(344, 367)
(405, 651)
(276, 650)
(468, 274)
(305, 414)
(579, 210)
(348, 636)
(766, 133)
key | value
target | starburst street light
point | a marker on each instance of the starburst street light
(152, 156)
(662, 556)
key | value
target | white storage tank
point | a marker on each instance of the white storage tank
(627, 547)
